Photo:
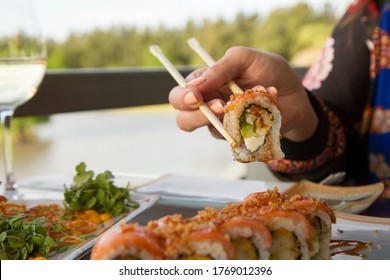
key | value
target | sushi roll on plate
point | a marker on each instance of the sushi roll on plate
(127, 242)
(321, 218)
(264, 225)
(251, 238)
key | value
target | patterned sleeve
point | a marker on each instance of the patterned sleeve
(339, 85)
(325, 152)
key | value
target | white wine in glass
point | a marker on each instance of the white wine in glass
(22, 68)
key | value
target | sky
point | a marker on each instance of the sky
(59, 18)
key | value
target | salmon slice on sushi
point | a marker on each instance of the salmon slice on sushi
(253, 120)
(251, 238)
(127, 242)
(208, 245)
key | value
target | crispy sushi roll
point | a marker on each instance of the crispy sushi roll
(255, 204)
(316, 212)
(264, 225)
(208, 245)
(128, 242)
(253, 120)
(251, 238)
(290, 232)
(190, 239)
(321, 218)
(266, 198)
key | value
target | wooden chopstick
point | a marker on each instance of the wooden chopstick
(195, 45)
(157, 52)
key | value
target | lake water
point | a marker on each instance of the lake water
(137, 141)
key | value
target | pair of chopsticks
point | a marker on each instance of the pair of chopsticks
(195, 45)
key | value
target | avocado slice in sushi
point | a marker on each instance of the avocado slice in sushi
(247, 131)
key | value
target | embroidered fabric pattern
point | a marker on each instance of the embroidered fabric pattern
(379, 117)
(380, 55)
(322, 66)
(335, 146)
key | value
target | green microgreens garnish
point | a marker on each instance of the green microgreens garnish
(97, 193)
(20, 239)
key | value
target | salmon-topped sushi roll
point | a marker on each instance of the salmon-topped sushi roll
(208, 245)
(251, 238)
(191, 239)
(253, 120)
(264, 225)
(255, 203)
(290, 232)
(321, 218)
(126, 242)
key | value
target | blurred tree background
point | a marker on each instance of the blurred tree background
(296, 33)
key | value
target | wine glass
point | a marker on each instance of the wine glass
(22, 68)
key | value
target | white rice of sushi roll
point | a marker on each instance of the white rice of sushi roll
(325, 236)
(256, 110)
(209, 248)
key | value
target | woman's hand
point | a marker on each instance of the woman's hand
(248, 68)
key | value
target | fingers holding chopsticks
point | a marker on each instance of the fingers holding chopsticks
(208, 113)
(189, 120)
(187, 100)
(191, 96)
(200, 88)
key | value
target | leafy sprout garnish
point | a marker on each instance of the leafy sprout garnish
(99, 193)
(20, 239)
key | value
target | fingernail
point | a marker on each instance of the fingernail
(272, 90)
(217, 107)
(197, 82)
(190, 99)
(260, 89)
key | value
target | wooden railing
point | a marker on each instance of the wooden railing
(65, 91)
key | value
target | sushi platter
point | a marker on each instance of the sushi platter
(65, 248)
(160, 196)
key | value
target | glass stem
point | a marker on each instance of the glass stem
(5, 118)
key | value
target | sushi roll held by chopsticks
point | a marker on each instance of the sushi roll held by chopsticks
(253, 120)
